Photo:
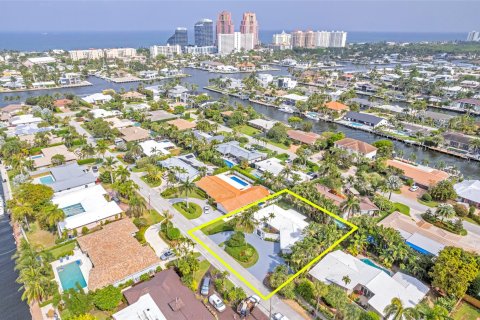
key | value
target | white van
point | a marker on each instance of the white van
(217, 303)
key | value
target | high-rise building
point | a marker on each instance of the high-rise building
(168, 50)
(282, 40)
(234, 42)
(338, 39)
(322, 39)
(473, 36)
(180, 37)
(204, 33)
(224, 23)
(309, 39)
(298, 39)
(249, 24)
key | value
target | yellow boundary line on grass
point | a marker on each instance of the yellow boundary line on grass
(305, 268)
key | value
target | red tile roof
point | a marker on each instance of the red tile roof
(304, 137)
(355, 145)
(336, 106)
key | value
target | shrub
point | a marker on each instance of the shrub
(140, 222)
(105, 177)
(236, 240)
(305, 289)
(108, 298)
(426, 197)
(173, 233)
(86, 161)
(243, 140)
(144, 277)
(460, 210)
(85, 230)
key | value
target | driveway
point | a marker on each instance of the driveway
(268, 253)
(205, 217)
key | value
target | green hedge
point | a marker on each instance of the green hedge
(87, 161)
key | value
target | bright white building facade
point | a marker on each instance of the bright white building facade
(167, 50)
(235, 42)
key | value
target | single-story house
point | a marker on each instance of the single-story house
(45, 158)
(336, 106)
(187, 163)
(468, 104)
(133, 95)
(134, 134)
(232, 149)
(275, 167)
(374, 285)
(262, 124)
(24, 119)
(65, 178)
(468, 191)
(145, 305)
(293, 98)
(116, 123)
(102, 113)
(227, 194)
(171, 296)
(97, 98)
(423, 176)
(304, 137)
(440, 119)
(365, 118)
(160, 115)
(207, 137)
(116, 256)
(353, 146)
(289, 223)
(85, 208)
(182, 124)
(152, 147)
(458, 140)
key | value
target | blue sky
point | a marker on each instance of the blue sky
(354, 15)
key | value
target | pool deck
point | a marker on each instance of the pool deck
(85, 267)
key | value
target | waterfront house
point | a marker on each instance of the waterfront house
(468, 104)
(97, 98)
(44, 159)
(24, 119)
(85, 208)
(353, 146)
(116, 256)
(439, 119)
(365, 119)
(286, 83)
(422, 176)
(458, 141)
(169, 294)
(293, 98)
(233, 150)
(65, 178)
(178, 93)
(262, 124)
(133, 95)
(468, 191)
(304, 137)
(374, 286)
(231, 192)
(336, 106)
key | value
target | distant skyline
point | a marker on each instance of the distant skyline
(353, 15)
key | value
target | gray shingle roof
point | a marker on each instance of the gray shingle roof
(233, 148)
(363, 117)
(70, 176)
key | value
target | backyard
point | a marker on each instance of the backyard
(465, 311)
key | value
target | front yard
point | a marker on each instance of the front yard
(193, 211)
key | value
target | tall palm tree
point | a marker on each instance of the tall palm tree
(351, 205)
(187, 186)
(396, 311)
(445, 210)
(123, 173)
(102, 147)
(136, 206)
(246, 220)
(34, 284)
(109, 163)
(167, 218)
(393, 183)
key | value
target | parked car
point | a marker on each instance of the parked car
(167, 255)
(217, 302)
(278, 316)
(95, 168)
(206, 209)
(205, 286)
(413, 188)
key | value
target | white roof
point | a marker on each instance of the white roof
(295, 97)
(94, 204)
(262, 123)
(102, 113)
(392, 108)
(290, 223)
(120, 123)
(468, 189)
(338, 264)
(272, 165)
(152, 147)
(144, 309)
(40, 60)
(24, 119)
(97, 97)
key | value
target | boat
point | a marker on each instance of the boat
(312, 115)
(287, 109)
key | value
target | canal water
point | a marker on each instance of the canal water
(11, 307)
(470, 169)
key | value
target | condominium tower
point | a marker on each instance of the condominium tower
(224, 23)
(204, 33)
(180, 37)
(282, 40)
(473, 36)
(319, 39)
(249, 24)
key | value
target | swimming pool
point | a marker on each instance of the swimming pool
(37, 156)
(70, 274)
(46, 179)
(239, 181)
(229, 163)
(73, 209)
(372, 264)
(356, 124)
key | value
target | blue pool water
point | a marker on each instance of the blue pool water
(238, 180)
(355, 124)
(73, 209)
(370, 263)
(229, 163)
(70, 274)
(417, 248)
(37, 156)
(46, 180)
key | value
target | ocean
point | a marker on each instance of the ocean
(43, 41)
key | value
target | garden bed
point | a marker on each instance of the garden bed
(246, 255)
(193, 211)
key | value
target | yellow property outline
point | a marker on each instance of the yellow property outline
(311, 263)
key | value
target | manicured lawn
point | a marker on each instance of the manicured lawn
(152, 217)
(280, 145)
(200, 273)
(63, 250)
(465, 311)
(192, 212)
(400, 207)
(246, 255)
(249, 131)
(431, 204)
(282, 156)
(42, 238)
(176, 193)
(216, 227)
(151, 184)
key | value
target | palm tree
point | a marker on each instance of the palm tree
(187, 186)
(167, 218)
(136, 206)
(396, 311)
(34, 284)
(102, 147)
(109, 163)
(351, 205)
(346, 279)
(392, 183)
(246, 220)
(319, 290)
(123, 173)
(436, 313)
(445, 210)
